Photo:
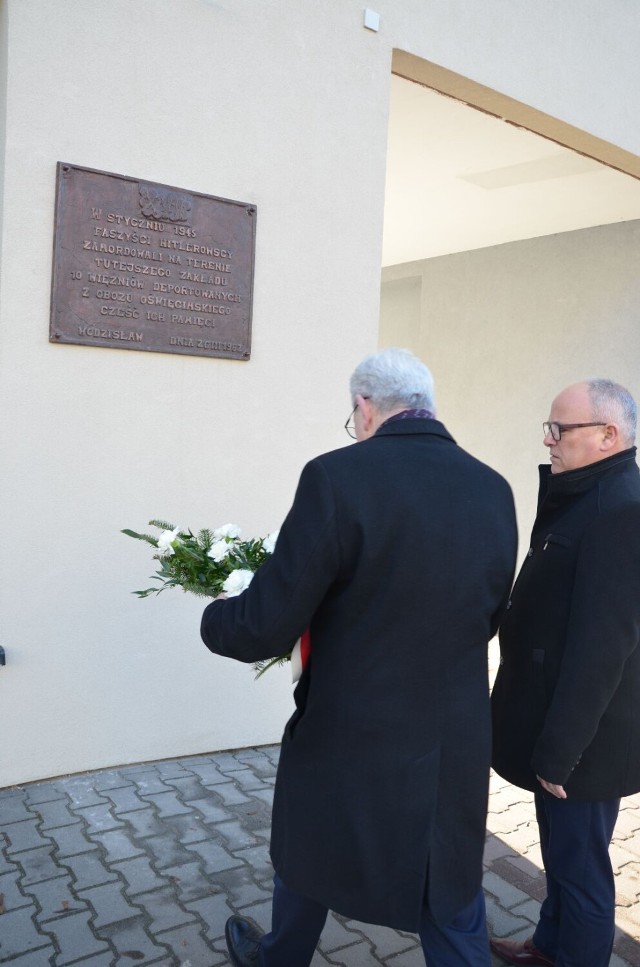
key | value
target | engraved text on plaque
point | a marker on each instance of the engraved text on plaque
(138, 265)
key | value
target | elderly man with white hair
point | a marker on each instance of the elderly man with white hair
(566, 702)
(398, 555)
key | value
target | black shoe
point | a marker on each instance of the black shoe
(243, 941)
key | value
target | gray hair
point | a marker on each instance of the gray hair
(612, 403)
(393, 378)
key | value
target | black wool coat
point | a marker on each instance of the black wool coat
(398, 553)
(566, 702)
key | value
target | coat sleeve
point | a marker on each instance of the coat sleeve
(603, 631)
(509, 544)
(266, 619)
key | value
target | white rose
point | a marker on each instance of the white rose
(269, 542)
(227, 530)
(218, 551)
(165, 542)
(237, 581)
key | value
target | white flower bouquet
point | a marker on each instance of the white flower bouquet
(208, 563)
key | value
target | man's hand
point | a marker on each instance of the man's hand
(553, 788)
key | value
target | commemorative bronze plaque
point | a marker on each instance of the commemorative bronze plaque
(138, 265)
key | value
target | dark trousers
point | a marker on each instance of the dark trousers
(577, 918)
(297, 923)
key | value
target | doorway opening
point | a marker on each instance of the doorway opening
(510, 253)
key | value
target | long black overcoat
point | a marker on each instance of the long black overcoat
(566, 702)
(398, 553)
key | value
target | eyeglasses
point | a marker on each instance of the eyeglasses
(557, 429)
(350, 426)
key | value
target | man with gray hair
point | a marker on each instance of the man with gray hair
(398, 555)
(566, 703)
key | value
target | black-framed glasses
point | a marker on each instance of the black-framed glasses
(350, 425)
(557, 429)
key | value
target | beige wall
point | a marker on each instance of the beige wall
(284, 105)
(505, 328)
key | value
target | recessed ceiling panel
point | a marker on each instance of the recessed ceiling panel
(460, 179)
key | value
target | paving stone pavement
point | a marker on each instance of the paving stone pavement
(143, 864)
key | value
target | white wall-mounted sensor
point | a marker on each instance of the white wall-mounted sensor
(371, 19)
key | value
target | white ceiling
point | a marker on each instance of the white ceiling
(460, 179)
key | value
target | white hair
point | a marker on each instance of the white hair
(612, 403)
(392, 378)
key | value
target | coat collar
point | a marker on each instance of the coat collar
(413, 426)
(581, 479)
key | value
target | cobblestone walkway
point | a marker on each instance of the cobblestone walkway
(143, 864)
